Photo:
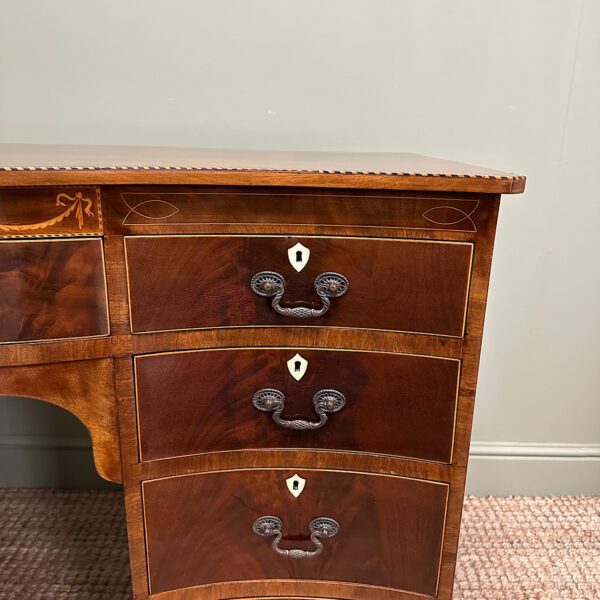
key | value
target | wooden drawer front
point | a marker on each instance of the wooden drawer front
(199, 529)
(143, 209)
(52, 289)
(35, 212)
(204, 281)
(201, 401)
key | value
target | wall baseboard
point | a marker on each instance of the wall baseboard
(31, 461)
(535, 450)
(504, 469)
(495, 468)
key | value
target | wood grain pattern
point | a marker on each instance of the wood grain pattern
(35, 212)
(23, 164)
(286, 590)
(136, 473)
(52, 289)
(199, 529)
(151, 209)
(466, 349)
(55, 351)
(203, 282)
(189, 404)
(84, 388)
(336, 222)
(298, 458)
(123, 368)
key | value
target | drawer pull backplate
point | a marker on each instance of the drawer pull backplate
(320, 528)
(324, 401)
(272, 285)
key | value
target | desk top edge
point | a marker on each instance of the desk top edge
(39, 164)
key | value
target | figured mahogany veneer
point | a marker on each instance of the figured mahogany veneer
(162, 359)
(204, 281)
(395, 404)
(199, 529)
(52, 289)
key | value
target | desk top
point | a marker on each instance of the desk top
(28, 164)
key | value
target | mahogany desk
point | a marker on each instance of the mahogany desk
(276, 353)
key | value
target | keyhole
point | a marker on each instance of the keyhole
(297, 365)
(298, 255)
(295, 484)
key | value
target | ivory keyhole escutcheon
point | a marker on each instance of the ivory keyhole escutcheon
(297, 366)
(295, 485)
(298, 256)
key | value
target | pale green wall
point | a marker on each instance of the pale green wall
(510, 84)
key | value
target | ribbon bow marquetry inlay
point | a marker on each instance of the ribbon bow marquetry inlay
(77, 204)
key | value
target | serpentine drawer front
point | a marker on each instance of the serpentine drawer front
(388, 530)
(207, 281)
(190, 402)
(275, 353)
(160, 209)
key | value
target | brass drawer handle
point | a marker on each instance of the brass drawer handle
(320, 528)
(272, 285)
(324, 401)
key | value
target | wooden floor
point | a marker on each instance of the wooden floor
(71, 545)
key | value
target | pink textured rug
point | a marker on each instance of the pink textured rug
(524, 548)
(71, 545)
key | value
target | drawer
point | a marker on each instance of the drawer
(52, 289)
(198, 282)
(203, 529)
(218, 400)
(50, 211)
(163, 209)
